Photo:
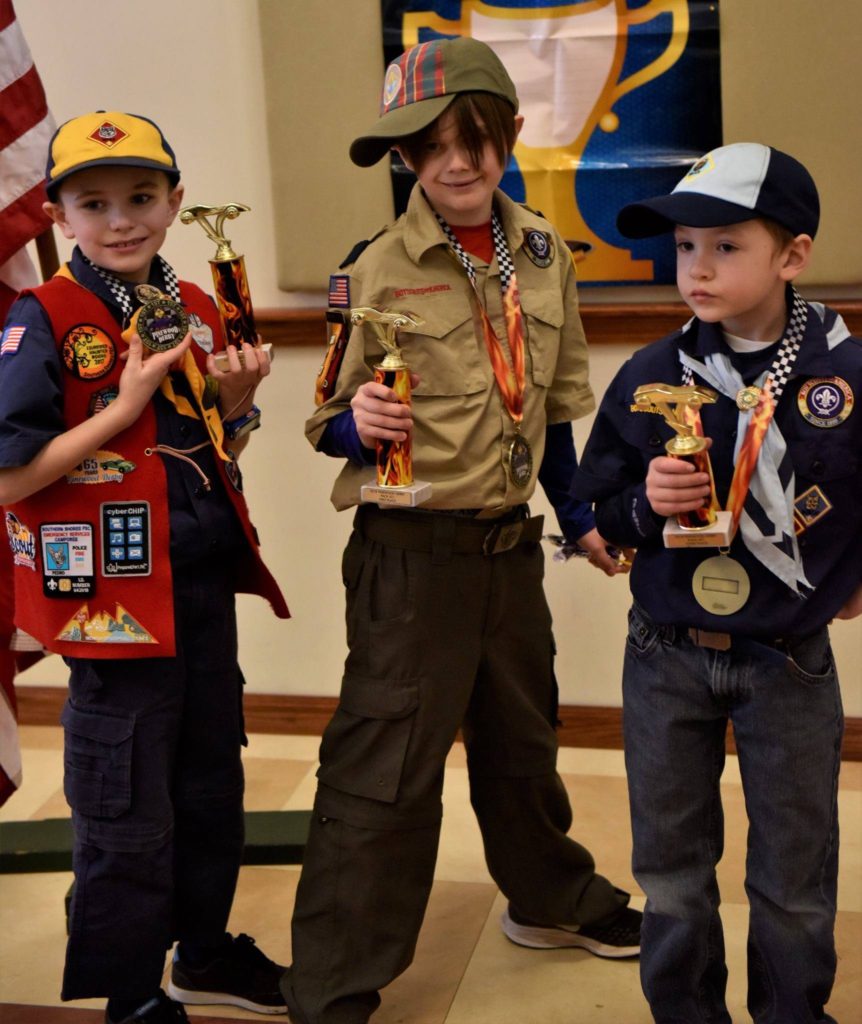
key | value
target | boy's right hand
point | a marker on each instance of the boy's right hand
(674, 485)
(141, 376)
(378, 413)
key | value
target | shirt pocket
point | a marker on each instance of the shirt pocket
(445, 353)
(543, 320)
(97, 761)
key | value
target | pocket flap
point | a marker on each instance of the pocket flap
(110, 729)
(375, 698)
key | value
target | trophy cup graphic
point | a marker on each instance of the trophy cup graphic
(707, 526)
(566, 62)
(395, 484)
(229, 276)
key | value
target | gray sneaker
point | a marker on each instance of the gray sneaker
(615, 937)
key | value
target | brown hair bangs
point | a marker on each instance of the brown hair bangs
(479, 117)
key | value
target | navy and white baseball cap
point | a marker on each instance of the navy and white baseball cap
(729, 185)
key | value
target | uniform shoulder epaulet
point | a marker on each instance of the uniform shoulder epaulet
(532, 209)
(359, 249)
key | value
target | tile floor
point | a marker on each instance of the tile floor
(465, 971)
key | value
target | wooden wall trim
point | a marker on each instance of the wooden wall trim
(580, 726)
(605, 324)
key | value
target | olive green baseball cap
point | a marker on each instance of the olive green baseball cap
(421, 84)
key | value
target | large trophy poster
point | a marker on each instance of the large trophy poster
(619, 98)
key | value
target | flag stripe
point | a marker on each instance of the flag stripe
(7, 14)
(22, 163)
(15, 59)
(23, 106)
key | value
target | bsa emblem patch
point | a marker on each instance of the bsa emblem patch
(88, 353)
(539, 247)
(825, 401)
(22, 542)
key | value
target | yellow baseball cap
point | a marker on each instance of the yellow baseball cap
(107, 138)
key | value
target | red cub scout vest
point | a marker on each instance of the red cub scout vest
(93, 575)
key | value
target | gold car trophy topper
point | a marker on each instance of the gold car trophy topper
(395, 484)
(229, 277)
(706, 527)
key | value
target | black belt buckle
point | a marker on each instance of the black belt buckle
(503, 537)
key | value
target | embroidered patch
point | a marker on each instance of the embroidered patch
(67, 559)
(428, 290)
(103, 467)
(539, 247)
(11, 339)
(104, 628)
(701, 166)
(108, 134)
(825, 401)
(22, 542)
(88, 353)
(339, 291)
(810, 506)
(102, 398)
(232, 471)
(126, 538)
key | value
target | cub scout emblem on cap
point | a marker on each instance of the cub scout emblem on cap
(392, 84)
(699, 167)
(88, 353)
(825, 401)
(539, 247)
(108, 134)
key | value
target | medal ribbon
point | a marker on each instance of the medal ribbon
(748, 469)
(510, 379)
(189, 367)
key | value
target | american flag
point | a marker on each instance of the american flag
(26, 128)
(339, 291)
(10, 339)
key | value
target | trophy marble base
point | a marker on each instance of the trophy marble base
(396, 497)
(718, 535)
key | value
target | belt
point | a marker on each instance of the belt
(446, 534)
(724, 641)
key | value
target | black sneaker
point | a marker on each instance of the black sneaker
(616, 936)
(241, 976)
(159, 1010)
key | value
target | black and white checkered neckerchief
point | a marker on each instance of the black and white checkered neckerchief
(782, 365)
(501, 251)
(120, 290)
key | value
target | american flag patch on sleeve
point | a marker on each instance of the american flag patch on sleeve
(10, 339)
(339, 291)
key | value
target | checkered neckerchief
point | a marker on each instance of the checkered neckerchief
(120, 290)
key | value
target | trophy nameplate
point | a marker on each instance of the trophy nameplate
(395, 486)
(708, 526)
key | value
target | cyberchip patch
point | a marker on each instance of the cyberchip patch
(126, 538)
(88, 353)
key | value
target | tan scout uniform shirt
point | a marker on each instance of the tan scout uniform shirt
(461, 427)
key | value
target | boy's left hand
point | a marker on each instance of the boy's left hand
(238, 383)
(597, 549)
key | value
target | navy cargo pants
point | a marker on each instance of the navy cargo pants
(448, 627)
(154, 779)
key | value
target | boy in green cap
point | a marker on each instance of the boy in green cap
(448, 626)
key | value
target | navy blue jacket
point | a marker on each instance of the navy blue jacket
(614, 466)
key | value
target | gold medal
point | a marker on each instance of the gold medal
(747, 398)
(519, 461)
(721, 585)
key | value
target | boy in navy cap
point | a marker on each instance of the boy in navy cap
(130, 537)
(737, 633)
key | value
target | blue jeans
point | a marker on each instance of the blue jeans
(788, 722)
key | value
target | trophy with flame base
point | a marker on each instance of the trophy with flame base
(709, 526)
(233, 296)
(395, 484)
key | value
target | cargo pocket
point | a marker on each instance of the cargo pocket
(97, 761)
(364, 746)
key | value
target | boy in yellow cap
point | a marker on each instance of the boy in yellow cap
(123, 503)
(448, 625)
